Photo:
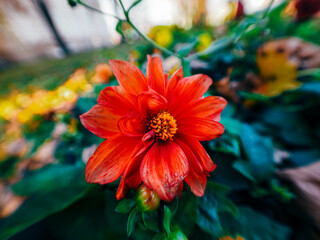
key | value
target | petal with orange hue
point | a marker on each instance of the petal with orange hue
(151, 103)
(113, 97)
(129, 76)
(175, 78)
(196, 179)
(100, 121)
(131, 175)
(203, 129)
(163, 168)
(209, 107)
(155, 75)
(187, 90)
(110, 159)
(198, 150)
(132, 125)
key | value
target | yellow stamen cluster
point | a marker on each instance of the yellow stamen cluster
(164, 125)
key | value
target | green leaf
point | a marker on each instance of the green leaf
(38, 136)
(207, 214)
(167, 220)
(259, 151)
(254, 96)
(125, 206)
(7, 167)
(50, 178)
(72, 3)
(245, 169)
(184, 49)
(186, 68)
(150, 220)
(252, 225)
(39, 207)
(132, 220)
(119, 27)
(226, 144)
(228, 206)
(232, 125)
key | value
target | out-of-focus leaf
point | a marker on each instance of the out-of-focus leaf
(186, 48)
(125, 206)
(167, 219)
(38, 136)
(72, 3)
(119, 27)
(245, 169)
(132, 220)
(207, 214)
(227, 144)
(232, 125)
(50, 178)
(7, 167)
(254, 96)
(151, 220)
(186, 68)
(259, 151)
(39, 207)
(252, 225)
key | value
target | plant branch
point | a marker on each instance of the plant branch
(146, 38)
(98, 10)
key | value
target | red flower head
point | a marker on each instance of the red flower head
(153, 126)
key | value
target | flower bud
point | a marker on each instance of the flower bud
(147, 199)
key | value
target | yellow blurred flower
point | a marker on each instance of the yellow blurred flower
(204, 40)
(276, 69)
(8, 109)
(24, 116)
(162, 35)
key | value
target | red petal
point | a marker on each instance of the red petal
(163, 168)
(131, 176)
(187, 90)
(129, 76)
(209, 107)
(203, 129)
(155, 75)
(114, 98)
(177, 76)
(132, 125)
(100, 121)
(196, 179)
(200, 153)
(110, 159)
(151, 103)
(148, 138)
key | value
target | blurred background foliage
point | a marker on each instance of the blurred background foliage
(266, 185)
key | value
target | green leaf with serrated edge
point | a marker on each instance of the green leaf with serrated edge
(132, 220)
(125, 206)
(150, 220)
(167, 219)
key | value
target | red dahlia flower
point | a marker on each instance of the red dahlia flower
(153, 127)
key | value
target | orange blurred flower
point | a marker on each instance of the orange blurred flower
(153, 126)
(103, 73)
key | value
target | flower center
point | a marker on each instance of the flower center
(164, 125)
